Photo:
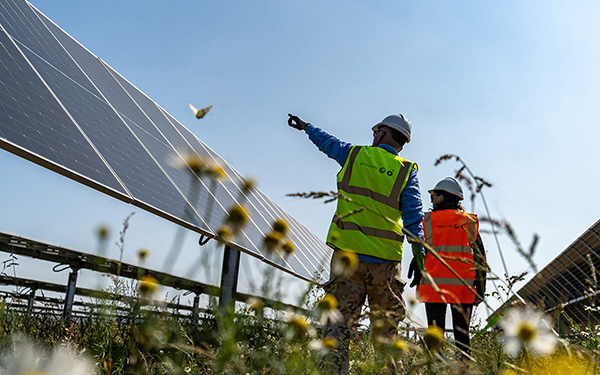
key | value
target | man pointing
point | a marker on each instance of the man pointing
(380, 201)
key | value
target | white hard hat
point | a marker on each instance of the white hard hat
(449, 185)
(397, 122)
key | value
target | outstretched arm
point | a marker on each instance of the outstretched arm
(327, 143)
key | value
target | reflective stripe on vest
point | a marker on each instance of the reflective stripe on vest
(372, 178)
(452, 234)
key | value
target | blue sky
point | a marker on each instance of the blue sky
(512, 87)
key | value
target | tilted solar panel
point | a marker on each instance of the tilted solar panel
(65, 109)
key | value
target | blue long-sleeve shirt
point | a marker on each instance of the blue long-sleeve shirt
(410, 198)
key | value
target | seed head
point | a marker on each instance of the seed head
(280, 226)
(434, 338)
(256, 304)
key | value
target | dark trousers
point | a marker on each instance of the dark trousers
(461, 319)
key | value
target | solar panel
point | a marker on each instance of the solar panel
(566, 281)
(64, 108)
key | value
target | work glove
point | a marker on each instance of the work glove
(297, 122)
(413, 269)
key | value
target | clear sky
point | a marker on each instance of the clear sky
(512, 87)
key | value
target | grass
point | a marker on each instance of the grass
(255, 340)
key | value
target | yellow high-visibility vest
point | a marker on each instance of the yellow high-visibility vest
(371, 178)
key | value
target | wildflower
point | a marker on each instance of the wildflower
(561, 364)
(224, 234)
(288, 248)
(238, 216)
(412, 300)
(434, 338)
(297, 327)
(148, 285)
(215, 171)
(196, 163)
(272, 240)
(323, 346)
(526, 328)
(507, 372)
(344, 263)
(280, 226)
(327, 309)
(103, 232)
(143, 254)
(24, 358)
(187, 370)
(248, 184)
(398, 347)
(255, 304)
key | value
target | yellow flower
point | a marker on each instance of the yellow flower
(148, 285)
(288, 248)
(329, 343)
(194, 162)
(434, 338)
(297, 326)
(248, 184)
(224, 233)
(255, 303)
(344, 263)
(280, 226)
(215, 171)
(238, 216)
(143, 254)
(399, 347)
(527, 328)
(327, 303)
(272, 240)
(103, 232)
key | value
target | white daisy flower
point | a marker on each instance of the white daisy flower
(527, 328)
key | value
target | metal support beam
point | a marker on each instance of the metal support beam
(70, 294)
(196, 309)
(30, 302)
(229, 277)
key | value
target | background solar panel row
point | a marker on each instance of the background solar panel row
(567, 282)
(64, 108)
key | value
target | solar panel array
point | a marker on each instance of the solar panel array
(567, 282)
(67, 110)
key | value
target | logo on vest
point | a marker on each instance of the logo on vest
(382, 170)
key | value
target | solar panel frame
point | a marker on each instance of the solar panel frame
(65, 67)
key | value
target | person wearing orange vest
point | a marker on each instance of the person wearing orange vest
(454, 235)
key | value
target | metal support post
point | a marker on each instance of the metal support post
(70, 295)
(30, 302)
(229, 277)
(196, 309)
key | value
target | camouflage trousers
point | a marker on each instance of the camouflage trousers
(382, 285)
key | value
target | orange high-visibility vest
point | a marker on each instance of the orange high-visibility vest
(451, 233)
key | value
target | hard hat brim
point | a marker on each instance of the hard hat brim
(447, 191)
(377, 126)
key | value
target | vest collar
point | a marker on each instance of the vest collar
(388, 148)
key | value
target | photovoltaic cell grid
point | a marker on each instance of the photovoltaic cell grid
(67, 110)
(567, 280)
